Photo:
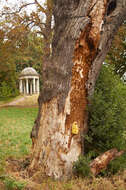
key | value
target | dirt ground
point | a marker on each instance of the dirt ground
(22, 101)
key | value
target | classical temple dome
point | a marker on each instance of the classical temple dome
(29, 71)
(29, 81)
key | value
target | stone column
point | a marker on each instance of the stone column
(20, 86)
(34, 86)
(31, 90)
(24, 87)
(27, 87)
(38, 85)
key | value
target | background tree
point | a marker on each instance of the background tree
(8, 75)
(20, 48)
(25, 32)
(82, 37)
(107, 118)
(107, 112)
(30, 53)
(28, 32)
(38, 19)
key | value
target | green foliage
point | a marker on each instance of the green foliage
(7, 90)
(12, 184)
(7, 56)
(4, 89)
(117, 53)
(115, 166)
(30, 55)
(107, 112)
(81, 166)
(22, 48)
(107, 117)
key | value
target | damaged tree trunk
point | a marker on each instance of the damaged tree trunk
(84, 30)
(102, 161)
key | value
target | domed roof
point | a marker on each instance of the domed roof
(29, 71)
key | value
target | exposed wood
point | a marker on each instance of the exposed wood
(102, 161)
(109, 27)
(69, 77)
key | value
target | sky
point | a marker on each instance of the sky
(17, 2)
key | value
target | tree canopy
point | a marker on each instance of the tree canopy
(21, 40)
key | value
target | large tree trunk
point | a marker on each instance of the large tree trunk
(84, 30)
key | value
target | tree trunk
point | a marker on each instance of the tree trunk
(84, 30)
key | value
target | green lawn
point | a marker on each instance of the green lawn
(15, 127)
(15, 142)
(4, 100)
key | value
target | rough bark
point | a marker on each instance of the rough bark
(83, 33)
(102, 161)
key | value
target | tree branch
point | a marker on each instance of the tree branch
(102, 161)
(40, 6)
(15, 12)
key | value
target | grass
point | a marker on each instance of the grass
(113, 183)
(12, 184)
(20, 101)
(4, 100)
(15, 127)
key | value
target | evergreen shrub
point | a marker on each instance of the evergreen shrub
(107, 123)
(107, 118)
(81, 167)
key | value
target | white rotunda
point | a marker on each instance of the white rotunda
(29, 81)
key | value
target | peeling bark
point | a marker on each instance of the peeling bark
(102, 161)
(69, 78)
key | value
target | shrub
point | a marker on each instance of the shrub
(119, 164)
(81, 167)
(12, 184)
(7, 90)
(107, 117)
(116, 165)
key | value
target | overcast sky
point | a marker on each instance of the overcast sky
(17, 2)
